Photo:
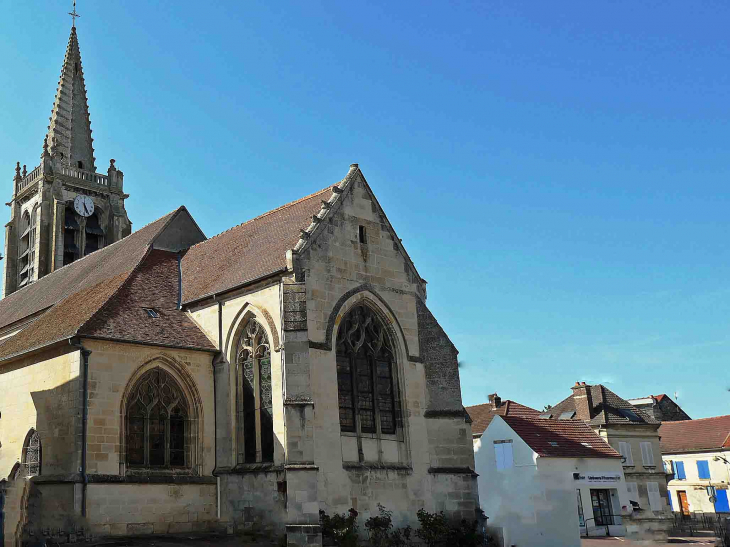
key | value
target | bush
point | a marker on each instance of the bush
(341, 529)
(381, 533)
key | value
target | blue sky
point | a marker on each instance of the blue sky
(557, 170)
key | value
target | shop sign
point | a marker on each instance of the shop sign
(592, 478)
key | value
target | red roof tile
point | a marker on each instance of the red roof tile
(248, 251)
(483, 414)
(693, 435)
(560, 438)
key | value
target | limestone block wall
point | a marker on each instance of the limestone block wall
(129, 509)
(113, 367)
(255, 500)
(42, 392)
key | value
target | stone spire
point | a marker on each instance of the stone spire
(69, 134)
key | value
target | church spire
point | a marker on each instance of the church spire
(69, 134)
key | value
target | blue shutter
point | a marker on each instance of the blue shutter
(703, 469)
(721, 504)
(680, 471)
(669, 497)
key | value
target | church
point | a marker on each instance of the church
(160, 381)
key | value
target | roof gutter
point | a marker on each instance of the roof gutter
(84, 418)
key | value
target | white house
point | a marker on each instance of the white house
(696, 456)
(545, 482)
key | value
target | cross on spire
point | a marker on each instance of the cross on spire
(73, 15)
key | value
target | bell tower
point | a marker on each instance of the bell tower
(63, 209)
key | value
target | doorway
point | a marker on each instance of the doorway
(601, 503)
(683, 503)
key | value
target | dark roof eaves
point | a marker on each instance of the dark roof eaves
(25, 352)
(215, 294)
(145, 343)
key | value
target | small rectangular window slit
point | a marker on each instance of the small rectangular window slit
(151, 312)
(363, 235)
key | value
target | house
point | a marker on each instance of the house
(696, 455)
(159, 381)
(662, 407)
(635, 435)
(482, 415)
(545, 482)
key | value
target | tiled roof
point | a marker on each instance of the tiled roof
(154, 286)
(248, 251)
(607, 409)
(560, 438)
(691, 435)
(83, 274)
(482, 415)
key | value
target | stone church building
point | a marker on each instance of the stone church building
(158, 381)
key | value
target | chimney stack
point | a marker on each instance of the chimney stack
(583, 401)
(495, 400)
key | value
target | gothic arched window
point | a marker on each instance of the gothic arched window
(254, 416)
(24, 249)
(70, 235)
(94, 235)
(32, 453)
(157, 422)
(367, 392)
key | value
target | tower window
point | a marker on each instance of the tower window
(70, 233)
(362, 234)
(80, 164)
(94, 235)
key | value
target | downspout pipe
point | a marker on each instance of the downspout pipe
(84, 418)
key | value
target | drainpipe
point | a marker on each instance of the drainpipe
(179, 281)
(215, 401)
(84, 420)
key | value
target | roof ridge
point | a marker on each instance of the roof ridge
(267, 213)
(95, 253)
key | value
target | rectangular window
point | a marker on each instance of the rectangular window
(625, 450)
(362, 235)
(703, 469)
(681, 475)
(647, 455)
(633, 491)
(655, 498)
(503, 454)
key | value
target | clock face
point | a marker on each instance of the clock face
(84, 205)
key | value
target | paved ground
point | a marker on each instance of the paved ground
(620, 542)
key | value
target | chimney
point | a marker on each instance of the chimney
(583, 401)
(495, 400)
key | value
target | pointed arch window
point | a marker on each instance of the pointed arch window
(32, 454)
(70, 235)
(94, 235)
(25, 248)
(254, 408)
(367, 389)
(158, 425)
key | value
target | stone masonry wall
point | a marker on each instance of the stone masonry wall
(42, 392)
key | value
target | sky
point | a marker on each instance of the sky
(558, 171)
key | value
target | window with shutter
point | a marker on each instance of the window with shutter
(499, 455)
(503, 454)
(703, 469)
(680, 470)
(655, 499)
(647, 455)
(625, 451)
(633, 491)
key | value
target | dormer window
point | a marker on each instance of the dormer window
(151, 312)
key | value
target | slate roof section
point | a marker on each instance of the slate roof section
(560, 438)
(607, 407)
(153, 285)
(482, 415)
(249, 251)
(107, 263)
(695, 435)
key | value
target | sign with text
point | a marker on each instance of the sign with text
(592, 478)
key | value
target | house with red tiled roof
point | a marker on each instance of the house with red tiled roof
(482, 415)
(634, 434)
(661, 406)
(546, 482)
(696, 457)
(160, 381)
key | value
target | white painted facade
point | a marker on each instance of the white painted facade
(533, 500)
(694, 487)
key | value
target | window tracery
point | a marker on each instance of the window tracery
(157, 422)
(31, 458)
(254, 407)
(367, 394)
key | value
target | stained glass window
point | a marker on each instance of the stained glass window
(366, 385)
(254, 406)
(32, 454)
(157, 422)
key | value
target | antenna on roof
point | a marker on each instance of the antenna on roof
(675, 396)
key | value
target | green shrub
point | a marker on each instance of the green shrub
(341, 529)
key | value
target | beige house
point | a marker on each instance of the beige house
(166, 382)
(696, 456)
(635, 435)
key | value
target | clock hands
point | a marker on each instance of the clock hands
(86, 208)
